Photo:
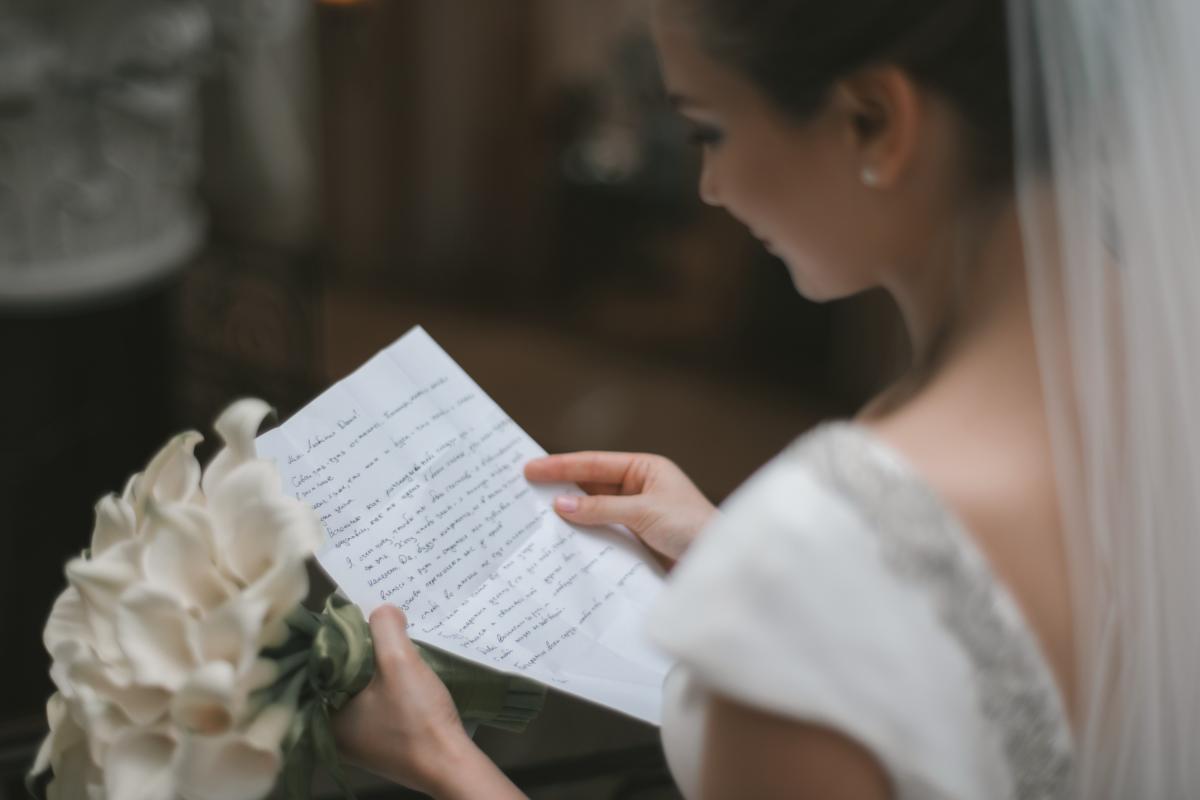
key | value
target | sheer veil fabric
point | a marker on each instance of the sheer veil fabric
(1107, 99)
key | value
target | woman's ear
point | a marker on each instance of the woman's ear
(880, 110)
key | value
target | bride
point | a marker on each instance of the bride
(980, 586)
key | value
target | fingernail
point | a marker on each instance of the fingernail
(566, 504)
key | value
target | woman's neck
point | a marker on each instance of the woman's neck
(974, 307)
(978, 291)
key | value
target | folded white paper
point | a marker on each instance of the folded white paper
(418, 478)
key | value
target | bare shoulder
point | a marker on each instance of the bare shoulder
(991, 465)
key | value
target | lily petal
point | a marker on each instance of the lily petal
(68, 653)
(305, 532)
(100, 581)
(179, 556)
(210, 701)
(115, 522)
(65, 733)
(140, 704)
(139, 766)
(258, 541)
(282, 588)
(237, 427)
(68, 622)
(237, 766)
(262, 673)
(257, 533)
(127, 493)
(231, 633)
(249, 482)
(173, 475)
(102, 722)
(75, 776)
(158, 636)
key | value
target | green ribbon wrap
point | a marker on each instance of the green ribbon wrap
(329, 658)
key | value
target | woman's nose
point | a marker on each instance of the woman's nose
(708, 184)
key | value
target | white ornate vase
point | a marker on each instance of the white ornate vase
(99, 137)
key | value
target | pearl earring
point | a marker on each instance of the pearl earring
(870, 177)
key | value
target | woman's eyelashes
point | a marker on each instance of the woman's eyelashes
(705, 136)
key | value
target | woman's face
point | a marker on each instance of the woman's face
(795, 185)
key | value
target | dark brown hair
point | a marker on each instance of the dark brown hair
(796, 50)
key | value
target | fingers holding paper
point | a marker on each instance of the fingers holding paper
(648, 494)
(620, 473)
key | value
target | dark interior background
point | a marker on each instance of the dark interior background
(506, 175)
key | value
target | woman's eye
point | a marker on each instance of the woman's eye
(705, 136)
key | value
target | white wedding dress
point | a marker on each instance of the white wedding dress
(837, 589)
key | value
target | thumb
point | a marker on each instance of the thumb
(389, 630)
(602, 509)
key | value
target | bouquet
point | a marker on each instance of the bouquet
(185, 663)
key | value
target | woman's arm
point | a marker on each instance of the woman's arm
(750, 753)
(470, 775)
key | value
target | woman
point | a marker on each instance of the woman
(981, 586)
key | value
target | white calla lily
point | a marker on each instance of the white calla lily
(100, 581)
(101, 720)
(68, 622)
(157, 643)
(237, 427)
(230, 633)
(76, 776)
(255, 542)
(158, 636)
(263, 672)
(64, 661)
(237, 504)
(127, 492)
(179, 556)
(140, 765)
(65, 733)
(209, 701)
(89, 678)
(115, 523)
(238, 766)
(282, 588)
(173, 475)
(291, 539)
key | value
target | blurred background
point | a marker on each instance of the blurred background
(204, 199)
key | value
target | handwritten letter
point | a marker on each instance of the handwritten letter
(418, 478)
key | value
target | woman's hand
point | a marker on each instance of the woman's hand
(404, 725)
(646, 493)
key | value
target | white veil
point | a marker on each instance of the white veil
(1107, 99)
